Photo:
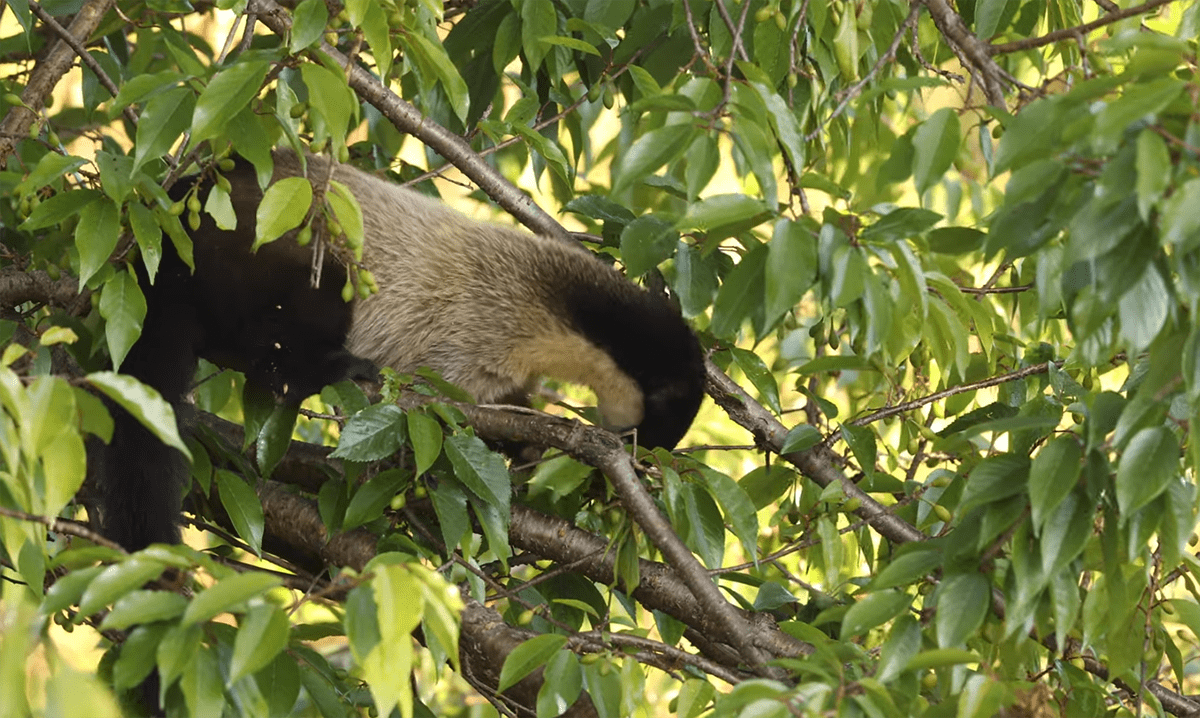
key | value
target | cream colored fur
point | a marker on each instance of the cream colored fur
(478, 302)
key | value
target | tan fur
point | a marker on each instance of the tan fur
(474, 301)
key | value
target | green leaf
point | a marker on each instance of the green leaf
(1066, 533)
(906, 569)
(703, 159)
(1139, 100)
(175, 651)
(572, 43)
(611, 15)
(603, 684)
(347, 211)
(1144, 310)
(800, 437)
(123, 307)
(782, 116)
(480, 469)
(1179, 221)
(372, 434)
(115, 175)
(202, 685)
(1153, 171)
(737, 508)
(940, 658)
(284, 206)
(962, 603)
(646, 242)
(649, 152)
(59, 208)
(706, 526)
(434, 58)
(280, 684)
(599, 208)
(138, 88)
(791, 267)
(117, 581)
(849, 267)
(244, 508)
(936, 143)
(219, 206)
(538, 20)
(903, 642)
(146, 405)
(562, 682)
(759, 375)
(161, 124)
(373, 497)
(149, 238)
(1052, 476)
(995, 478)
(724, 210)
(771, 596)
(67, 590)
(275, 436)
(987, 17)
(874, 610)
(1150, 461)
(389, 664)
(308, 25)
(425, 433)
(559, 476)
(863, 445)
(528, 657)
(832, 550)
(227, 594)
(227, 93)
(695, 280)
(263, 633)
(1032, 134)
(378, 36)
(741, 294)
(955, 240)
(450, 505)
(48, 169)
(143, 607)
(96, 237)
(136, 659)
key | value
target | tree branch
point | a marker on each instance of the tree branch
(976, 51)
(1070, 33)
(408, 119)
(46, 75)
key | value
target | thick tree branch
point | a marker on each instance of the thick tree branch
(45, 77)
(18, 286)
(83, 54)
(661, 588)
(974, 50)
(486, 639)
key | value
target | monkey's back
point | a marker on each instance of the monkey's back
(486, 305)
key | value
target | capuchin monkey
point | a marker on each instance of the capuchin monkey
(491, 308)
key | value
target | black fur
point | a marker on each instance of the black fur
(650, 342)
(255, 313)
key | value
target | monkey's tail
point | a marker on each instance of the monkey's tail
(139, 479)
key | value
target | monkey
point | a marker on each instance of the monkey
(491, 308)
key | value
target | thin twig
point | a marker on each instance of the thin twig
(1069, 32)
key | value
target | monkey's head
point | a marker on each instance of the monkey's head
(650, 342)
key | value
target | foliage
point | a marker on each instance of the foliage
(952, 255)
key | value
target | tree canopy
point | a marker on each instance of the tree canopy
(943, 260)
